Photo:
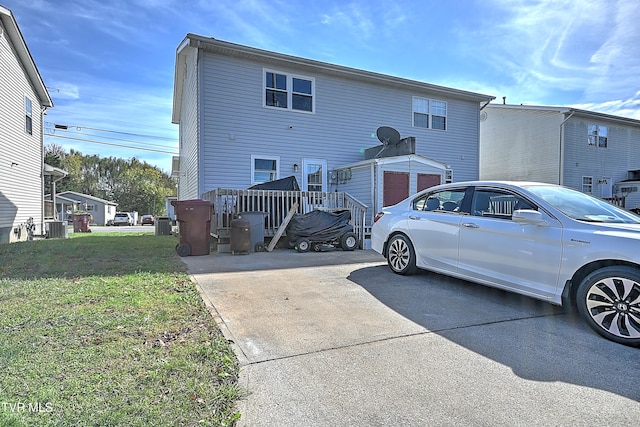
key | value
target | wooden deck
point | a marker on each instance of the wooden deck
(275, 204)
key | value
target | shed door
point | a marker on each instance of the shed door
(427, 180)
(395, 187)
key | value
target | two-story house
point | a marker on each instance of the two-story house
(23, 101)
(592, 152)
(248, 115)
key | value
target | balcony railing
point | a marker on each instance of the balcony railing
(228, 203)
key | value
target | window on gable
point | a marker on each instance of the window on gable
(28, 124)
(288, 91)
(264, 169)
(598, 136)
(429, 113)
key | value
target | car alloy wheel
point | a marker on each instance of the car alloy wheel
(609, 300)
(400, 255)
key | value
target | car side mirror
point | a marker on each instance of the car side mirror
(528, 216)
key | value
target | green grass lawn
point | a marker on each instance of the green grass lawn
(106, 329)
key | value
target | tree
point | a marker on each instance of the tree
(134, 185)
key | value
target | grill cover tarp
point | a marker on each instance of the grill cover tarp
(285, 184)
(319, 225)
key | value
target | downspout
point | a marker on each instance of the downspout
(561, 160)
(42, 114)
(488, 102)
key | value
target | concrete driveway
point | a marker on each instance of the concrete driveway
(335, 338)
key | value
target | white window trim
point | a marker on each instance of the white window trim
(590, 178)
(430, 114)
(290, 77)
(597, 135)
(29, 114)
(305, 181)
(253, 166)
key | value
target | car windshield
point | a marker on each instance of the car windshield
(581, 206)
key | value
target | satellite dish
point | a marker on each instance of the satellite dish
(387, 135)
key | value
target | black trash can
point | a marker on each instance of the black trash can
(163, 226)
(240, 237)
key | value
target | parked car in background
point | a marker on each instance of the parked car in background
(147, 219)
(123, 218)
(541, 240)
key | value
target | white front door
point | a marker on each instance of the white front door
(314, 175)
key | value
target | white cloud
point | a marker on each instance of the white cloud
(551, 51)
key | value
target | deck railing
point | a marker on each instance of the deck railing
(228, 203)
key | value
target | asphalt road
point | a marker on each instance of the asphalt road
(336, 338)
(122, 228)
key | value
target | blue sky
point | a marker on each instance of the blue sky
(109, 64)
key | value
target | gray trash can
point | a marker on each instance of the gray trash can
(256, 220)
(163, 226)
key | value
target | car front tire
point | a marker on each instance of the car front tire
(609, 301)
(401, 257)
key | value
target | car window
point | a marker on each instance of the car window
(444, 201)
(582, 207)
(498, 203)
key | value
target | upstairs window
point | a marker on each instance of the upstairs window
(597, 136)
(429, 113)
(28, 123)
(288, 91)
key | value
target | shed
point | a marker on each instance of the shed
(386, 181)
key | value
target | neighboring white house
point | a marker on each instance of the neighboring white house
(101, 210)
(23, 101)
(592, 152)
(248, 115)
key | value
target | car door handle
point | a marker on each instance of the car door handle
(414, 217)
(470, 225)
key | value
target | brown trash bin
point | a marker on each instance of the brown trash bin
(81, 223)
(194, 226)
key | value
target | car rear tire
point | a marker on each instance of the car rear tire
(609, 301)
(401, 257)
(349, 241)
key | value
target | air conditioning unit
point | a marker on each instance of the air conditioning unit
(57, 230)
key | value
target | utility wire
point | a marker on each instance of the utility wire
(92, 117)
(113, 139)
(115, 145)
(66, 127)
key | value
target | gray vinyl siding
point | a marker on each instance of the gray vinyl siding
(520, 145)
(621, 155)
(235, 124)
(21, 167)
(189, 130)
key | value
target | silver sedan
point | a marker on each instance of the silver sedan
(541, 240)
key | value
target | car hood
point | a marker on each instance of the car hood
(631, 231)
